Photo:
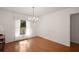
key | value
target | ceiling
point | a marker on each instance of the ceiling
(39, 11)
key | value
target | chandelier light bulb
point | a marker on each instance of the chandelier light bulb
(33, 18)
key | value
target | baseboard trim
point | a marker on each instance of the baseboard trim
(52, 41)
(38, 37)
(21, 39)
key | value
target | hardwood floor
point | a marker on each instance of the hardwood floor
(74, 47)
(36, 44)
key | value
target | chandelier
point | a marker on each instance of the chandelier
(33, 18)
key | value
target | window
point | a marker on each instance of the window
(22, 27)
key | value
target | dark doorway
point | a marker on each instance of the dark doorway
(74, 32)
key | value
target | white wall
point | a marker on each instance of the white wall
(7, 21)
(75, 28)
(56, 26)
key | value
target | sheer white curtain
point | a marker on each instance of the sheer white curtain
(28, 32)
(17, 28)
(28, 29)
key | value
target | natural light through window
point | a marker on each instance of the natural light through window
(28, 29)
(18, 29)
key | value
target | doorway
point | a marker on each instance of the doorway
(74, 32)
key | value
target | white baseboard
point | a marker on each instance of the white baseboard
(54, 41)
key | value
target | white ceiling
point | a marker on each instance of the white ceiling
(39, 11)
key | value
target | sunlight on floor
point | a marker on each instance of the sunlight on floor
(24, 45)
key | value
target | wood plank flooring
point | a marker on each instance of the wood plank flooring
(35, 44)
(74, 47)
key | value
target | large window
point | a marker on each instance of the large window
(22, 27)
